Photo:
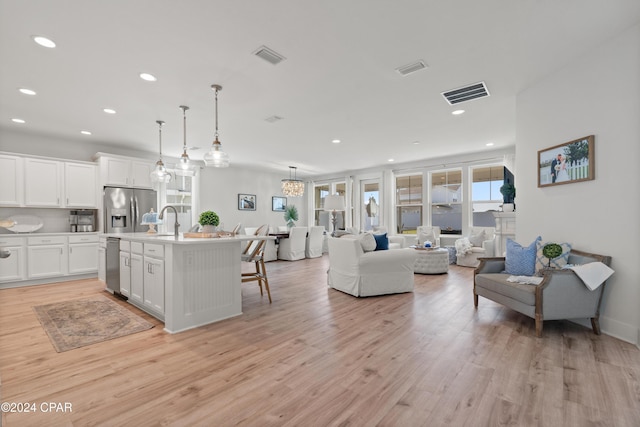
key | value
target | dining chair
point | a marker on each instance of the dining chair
(254, 252)
(292, 248)
(313, 247)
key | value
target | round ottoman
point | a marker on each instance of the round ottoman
(431, 261)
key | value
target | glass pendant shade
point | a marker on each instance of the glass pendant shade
(185, 166)
(160, 173)
(292, 187)
(216, 157)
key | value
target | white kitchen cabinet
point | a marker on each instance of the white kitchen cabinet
(125, 273)
(102, 259)
(122, 172)
(11, 179)
(42, 182)
(154, 284)
(137, 278)
(12, 268)
(80, 185)
(46, 256)
(83, 253)
(154, 277)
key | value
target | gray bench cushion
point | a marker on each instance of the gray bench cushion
(497, 282)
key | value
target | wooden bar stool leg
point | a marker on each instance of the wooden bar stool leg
(266, 280)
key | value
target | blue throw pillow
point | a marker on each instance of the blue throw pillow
(382, 242)
(521, 260)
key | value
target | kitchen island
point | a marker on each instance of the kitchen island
(186, 282)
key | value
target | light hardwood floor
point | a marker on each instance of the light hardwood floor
(320, 357)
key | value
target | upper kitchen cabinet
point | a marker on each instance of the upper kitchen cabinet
(11, 177)
(123, 172)
(42, 182)
(80, 185)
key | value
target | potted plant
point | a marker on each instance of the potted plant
(291, 215)
(508, 191)
(209, 220)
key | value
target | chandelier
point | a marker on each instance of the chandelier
(160, 173)
(216, 157)
(292, 187)
(185, 165)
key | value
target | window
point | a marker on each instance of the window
(485, 194)
(446, 201)
(372, 204)
(408, 203)
(322, 217)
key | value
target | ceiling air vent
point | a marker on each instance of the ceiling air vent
(411, 68)
(467, 93)
(273, 119)
(269, 55)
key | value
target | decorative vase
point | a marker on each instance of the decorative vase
(208, 228)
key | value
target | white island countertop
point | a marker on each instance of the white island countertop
(186, 282)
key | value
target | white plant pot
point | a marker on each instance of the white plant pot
(508, 207)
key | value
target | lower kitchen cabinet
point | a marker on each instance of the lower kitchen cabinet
(154, 284)
(137, 277)
(83, 254)
(125, 274)
(45, 261)
(12, 267)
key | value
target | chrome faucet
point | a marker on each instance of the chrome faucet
(176, 226)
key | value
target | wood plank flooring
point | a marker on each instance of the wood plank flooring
(318, 357)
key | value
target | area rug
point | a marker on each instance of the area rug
(82, 322)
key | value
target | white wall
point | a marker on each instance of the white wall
(219, 190)
(597, 93)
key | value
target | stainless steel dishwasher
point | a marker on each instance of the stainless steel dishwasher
(113, 265)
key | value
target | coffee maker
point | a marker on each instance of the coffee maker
(82, 221)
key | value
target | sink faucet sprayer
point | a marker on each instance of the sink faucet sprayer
(176, 225)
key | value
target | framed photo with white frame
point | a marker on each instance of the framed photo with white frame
(247, 202)
(566, 163)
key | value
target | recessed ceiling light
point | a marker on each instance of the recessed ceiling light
(18, 121)
(336, 141)
(391, 160)
(85, 132)
(416, 142)
(489, 144)
(109, 110)
(457, 112)
(27, 91)
(148, 77)
(43, 41)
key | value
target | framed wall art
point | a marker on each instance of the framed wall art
(566, 163)
(278, 204)
(247, 202)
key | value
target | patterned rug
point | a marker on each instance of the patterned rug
(82, 322)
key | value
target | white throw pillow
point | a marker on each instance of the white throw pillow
(423, 237)
(477, 239)
(368, 242)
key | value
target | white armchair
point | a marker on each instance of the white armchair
(425, 232)
(361, 274)
(482, 240)
(314, 242)
(293, 247)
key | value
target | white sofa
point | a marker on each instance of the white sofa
(361, 274)
(483, 248)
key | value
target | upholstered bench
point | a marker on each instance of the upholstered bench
(431, 261)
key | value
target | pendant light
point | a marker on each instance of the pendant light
(293, 186)
(159, 173)
(216, 157)
(185, 165)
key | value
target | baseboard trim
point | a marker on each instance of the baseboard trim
(615, 328)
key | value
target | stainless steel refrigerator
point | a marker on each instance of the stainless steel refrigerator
(124, 207)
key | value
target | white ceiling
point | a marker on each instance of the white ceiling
(338, 79)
